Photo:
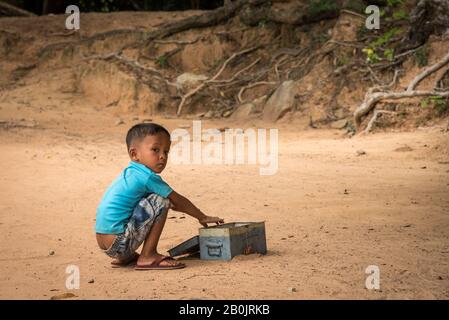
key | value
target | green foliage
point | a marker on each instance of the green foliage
(424, 103)
(317, 7)
(350, 128)
(361, 32)
(343, 60)
(440, 104)
(382, 46)
(356, 6)
(323, 37)
(162, 61)
(401, 15)
(421, 56)
(371, 55)
(394, 3)
(102, 5)
(389, 54)
(216, 62)
(262, 23)
(386, 37)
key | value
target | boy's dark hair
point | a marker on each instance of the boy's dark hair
(140, 131)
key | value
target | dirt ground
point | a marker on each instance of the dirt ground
(329, 212)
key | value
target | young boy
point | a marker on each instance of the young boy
(134, 208)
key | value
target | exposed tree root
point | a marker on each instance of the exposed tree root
(203, 20)
(252, 85)
(203, 84)
(427, 72)
(376, 114)
(372, 97)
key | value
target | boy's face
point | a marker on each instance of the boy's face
(152, 151)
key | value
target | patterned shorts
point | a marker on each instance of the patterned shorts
(148, 211)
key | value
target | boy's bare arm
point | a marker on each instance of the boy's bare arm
(182, 204)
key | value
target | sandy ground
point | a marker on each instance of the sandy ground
(394, 214)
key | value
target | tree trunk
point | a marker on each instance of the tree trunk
(429, 17)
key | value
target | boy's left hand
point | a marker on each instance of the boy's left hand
(207, 219)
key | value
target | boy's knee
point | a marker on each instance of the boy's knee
(159, 202)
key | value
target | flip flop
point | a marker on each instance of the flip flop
(156, 265)
(130, 263)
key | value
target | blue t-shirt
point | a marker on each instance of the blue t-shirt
(122, 196)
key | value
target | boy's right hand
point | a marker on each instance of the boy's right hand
(207, 219)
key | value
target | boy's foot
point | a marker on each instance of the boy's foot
(116, 263)
(160, 262)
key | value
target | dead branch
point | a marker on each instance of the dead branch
(427, 72)
(239, 96)
(203, 84)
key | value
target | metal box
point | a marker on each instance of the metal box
(190, 246)
(223, 242)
